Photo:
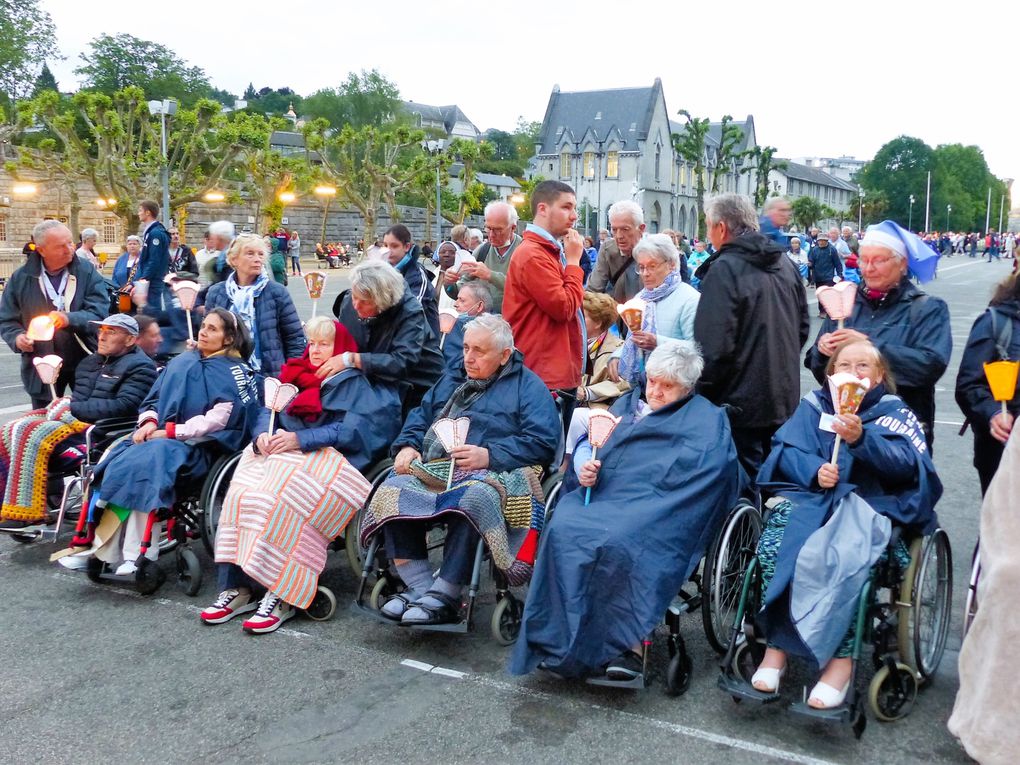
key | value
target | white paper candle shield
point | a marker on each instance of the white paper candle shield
(278, 396)
(48, 369)
(41, 329)
(838, 301)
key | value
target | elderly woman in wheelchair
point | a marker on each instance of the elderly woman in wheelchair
(831, 522)
(470, 457)
(295, 490)
(659, 489)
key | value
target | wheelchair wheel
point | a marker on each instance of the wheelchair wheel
(678, 673)
(149, 577)
(971, 606)
(551, 489)
(355, 552)
(25, 539)
(506, 620)
(382, 591)
(323, 605)
(94, 569)
(727, 559)
(214, 491)
(189, 572)
(928, 587)
(892, 692)
(746, 659)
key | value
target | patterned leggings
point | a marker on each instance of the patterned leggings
(768, 552)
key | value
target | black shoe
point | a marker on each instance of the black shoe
(625, 667)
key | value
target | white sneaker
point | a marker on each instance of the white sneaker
(229, 604)
(271, 614)
(127, 568)
(78, 561)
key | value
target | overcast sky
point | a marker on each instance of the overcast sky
(821, 79)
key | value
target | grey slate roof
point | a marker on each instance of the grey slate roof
(287, 138)
(813, 175)
(449, 115)
(625, 112)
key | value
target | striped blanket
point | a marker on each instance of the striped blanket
(490, 501)
(26, 445)
(280, 514)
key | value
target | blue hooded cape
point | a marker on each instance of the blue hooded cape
(359, 419)
(889, 467)
(606, 573)
(142, 476)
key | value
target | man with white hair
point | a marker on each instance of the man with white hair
(851, 241)
(475, 238)
(615, 271)
(492, 258)
(87, 250)
(212, 261)
(53, 283)
(751, 323)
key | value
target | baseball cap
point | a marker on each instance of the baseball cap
(822, 235)
(120, 321)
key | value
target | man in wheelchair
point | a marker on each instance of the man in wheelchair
(481, 483)
(39, 449)
(660, 487)
(831, 523)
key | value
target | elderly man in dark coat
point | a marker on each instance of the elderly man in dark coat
(54, 283)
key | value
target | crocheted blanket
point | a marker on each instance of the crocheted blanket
(490, 501)
(280, 514)
(26, 445)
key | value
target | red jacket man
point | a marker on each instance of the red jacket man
(542, 299)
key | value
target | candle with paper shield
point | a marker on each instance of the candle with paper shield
(48, 369)
(278, 396)
(847, 394)
(1002, 376)
(633, 312)
(140, 293)
(315, 283)
(451, 434)
(838, 301)
(447, 321)
(187, 292)
(601, 425)
(41, 329)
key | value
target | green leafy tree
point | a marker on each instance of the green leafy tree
(525, 137)
(370, 166)
(469, 154)
(45, 81)
(249, 92)
(730, 137)
(115, 63)
(9, 128)
(807, 211)
(368, 99)
(899, 169)
(871, 209)
(275, 102)
(760, 162)
(524, 208)
(503, 146)
(263, 174)
(116, 144)
(44, 164)
(27, 39)
(690, 145)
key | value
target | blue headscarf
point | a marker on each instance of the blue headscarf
(921, 259)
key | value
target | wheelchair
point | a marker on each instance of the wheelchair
(214, 492)
(506, 618)
(99, 438)
(184, 522)
(903, 613)
(716, 592)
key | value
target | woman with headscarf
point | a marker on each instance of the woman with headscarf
(296, 489)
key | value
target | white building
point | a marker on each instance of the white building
(448, 120)
(844, 168)
(796, 180)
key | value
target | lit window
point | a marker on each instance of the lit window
(110, 230)
(565, 164)
(589, 164)
(613, 164)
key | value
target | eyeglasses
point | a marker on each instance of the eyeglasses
(650, 269)
(861, 368)
(876, 262)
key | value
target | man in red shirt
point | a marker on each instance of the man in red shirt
(542, 300)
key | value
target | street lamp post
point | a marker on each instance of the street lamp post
(165, 108)
(326, 193)
(860, 209)
(435, 148)
(949, 209)
(910, 217)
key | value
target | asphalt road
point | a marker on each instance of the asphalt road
(97, 674)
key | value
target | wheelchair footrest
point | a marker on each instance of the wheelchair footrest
(637, 684)
(740, 689)
(841, 714)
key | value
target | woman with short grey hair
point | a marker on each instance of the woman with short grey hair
(668, 306)
(621, 544)
(87, 250)
(395, 342)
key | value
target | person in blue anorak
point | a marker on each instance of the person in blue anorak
(831, 523)
(660, 488)
(909, 327)
(202, 406)
(486, 482)
(473, 298)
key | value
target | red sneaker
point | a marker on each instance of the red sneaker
(229, 604)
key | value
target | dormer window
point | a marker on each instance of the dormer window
(598, 115)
